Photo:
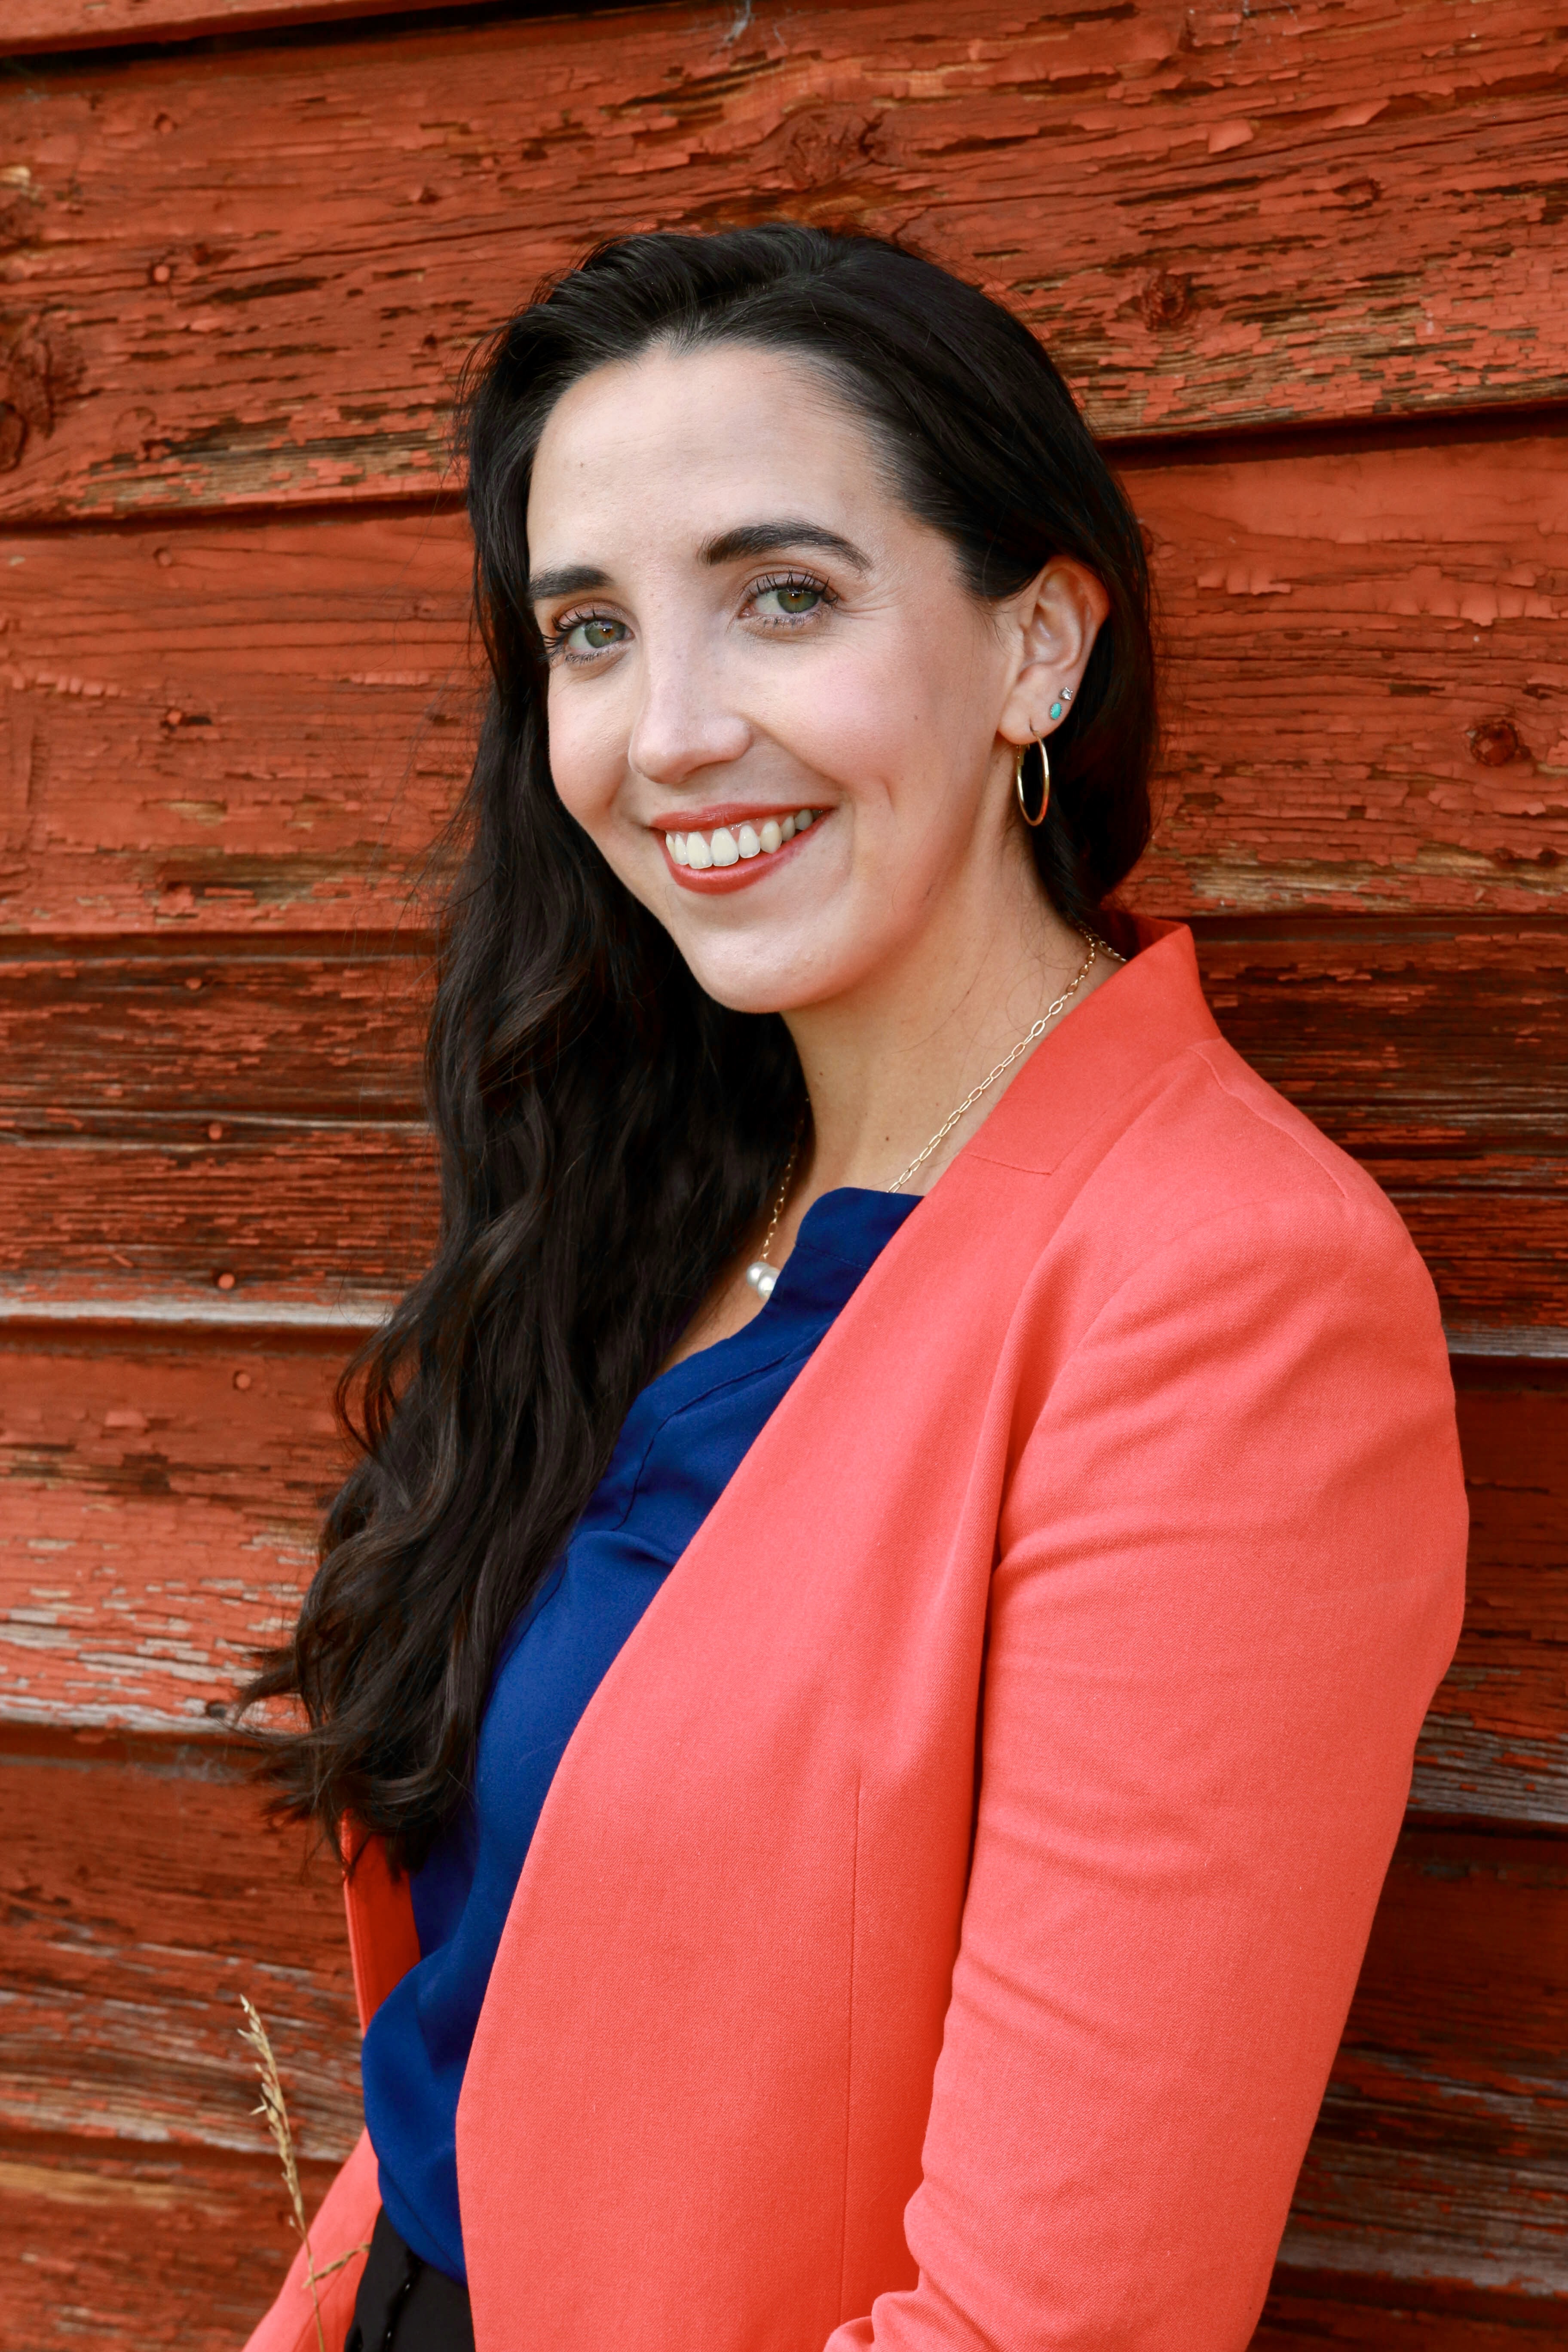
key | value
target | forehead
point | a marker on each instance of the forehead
(688, 444)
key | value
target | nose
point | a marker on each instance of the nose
(684, 722)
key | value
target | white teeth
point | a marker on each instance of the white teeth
(724, 846)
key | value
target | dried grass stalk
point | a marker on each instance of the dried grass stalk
(275, 2108)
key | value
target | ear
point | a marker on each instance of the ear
(1058, 618)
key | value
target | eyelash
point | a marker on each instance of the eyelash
(555, 639)
(793, 580)
(556, 646)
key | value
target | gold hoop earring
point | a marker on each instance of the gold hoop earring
(1024, 750)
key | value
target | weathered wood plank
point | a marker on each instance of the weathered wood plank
(1403, 1038)
(143, 1894)
(147, 1102)
(1499, 1259)
(275, 1215)
(271, 1213)
(263, 725)
(1400, 1037)
(265, 1211)
(161, 1499)
(1495, 1745)
(1442, 2151)
(1366, 668)
(1306, 2311)
(1448, 1032)
(161, 2247)
(122, 1986)
(113, 2245)
(250, 276)
(1432, 1050)
(291, 1028)
(53, 25)
(161, 1494)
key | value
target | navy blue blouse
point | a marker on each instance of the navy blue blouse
(681, 1443)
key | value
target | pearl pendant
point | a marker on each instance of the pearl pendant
(761, 1276)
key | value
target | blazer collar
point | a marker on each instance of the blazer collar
(1152, 1010)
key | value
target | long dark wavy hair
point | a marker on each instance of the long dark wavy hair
(607, 1133)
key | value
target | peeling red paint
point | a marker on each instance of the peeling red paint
(234, 284)
(339, 218)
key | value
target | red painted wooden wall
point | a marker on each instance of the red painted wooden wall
(1305, 262)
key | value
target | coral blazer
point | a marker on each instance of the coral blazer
(941, 1925)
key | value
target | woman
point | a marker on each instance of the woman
(886, 1777)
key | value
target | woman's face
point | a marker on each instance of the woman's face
(773, 705)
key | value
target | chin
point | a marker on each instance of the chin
(760, 983)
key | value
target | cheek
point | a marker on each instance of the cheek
(587, 756)
(858, 712)
(895, 719)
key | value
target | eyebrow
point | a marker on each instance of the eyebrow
(747, 540)
(568, 580)
(753, 539)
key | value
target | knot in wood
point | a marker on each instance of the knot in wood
(17, 218)
(1495, 742)
(1166, 301)
(1358, 194)
(27, 401)
(818, 145)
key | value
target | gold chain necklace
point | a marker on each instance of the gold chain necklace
(762, 1276)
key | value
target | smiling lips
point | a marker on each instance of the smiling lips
(727, 857)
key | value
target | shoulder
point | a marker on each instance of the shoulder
(1222, 1248)
(1204, 1206)
(1138, 1110)
(1213, 1166)
(1211, 1136)
(1140, 1148)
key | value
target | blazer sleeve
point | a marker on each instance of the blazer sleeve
(1230, 1576)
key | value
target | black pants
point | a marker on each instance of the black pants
(403, 2305)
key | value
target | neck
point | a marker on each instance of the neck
(887, 1064)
